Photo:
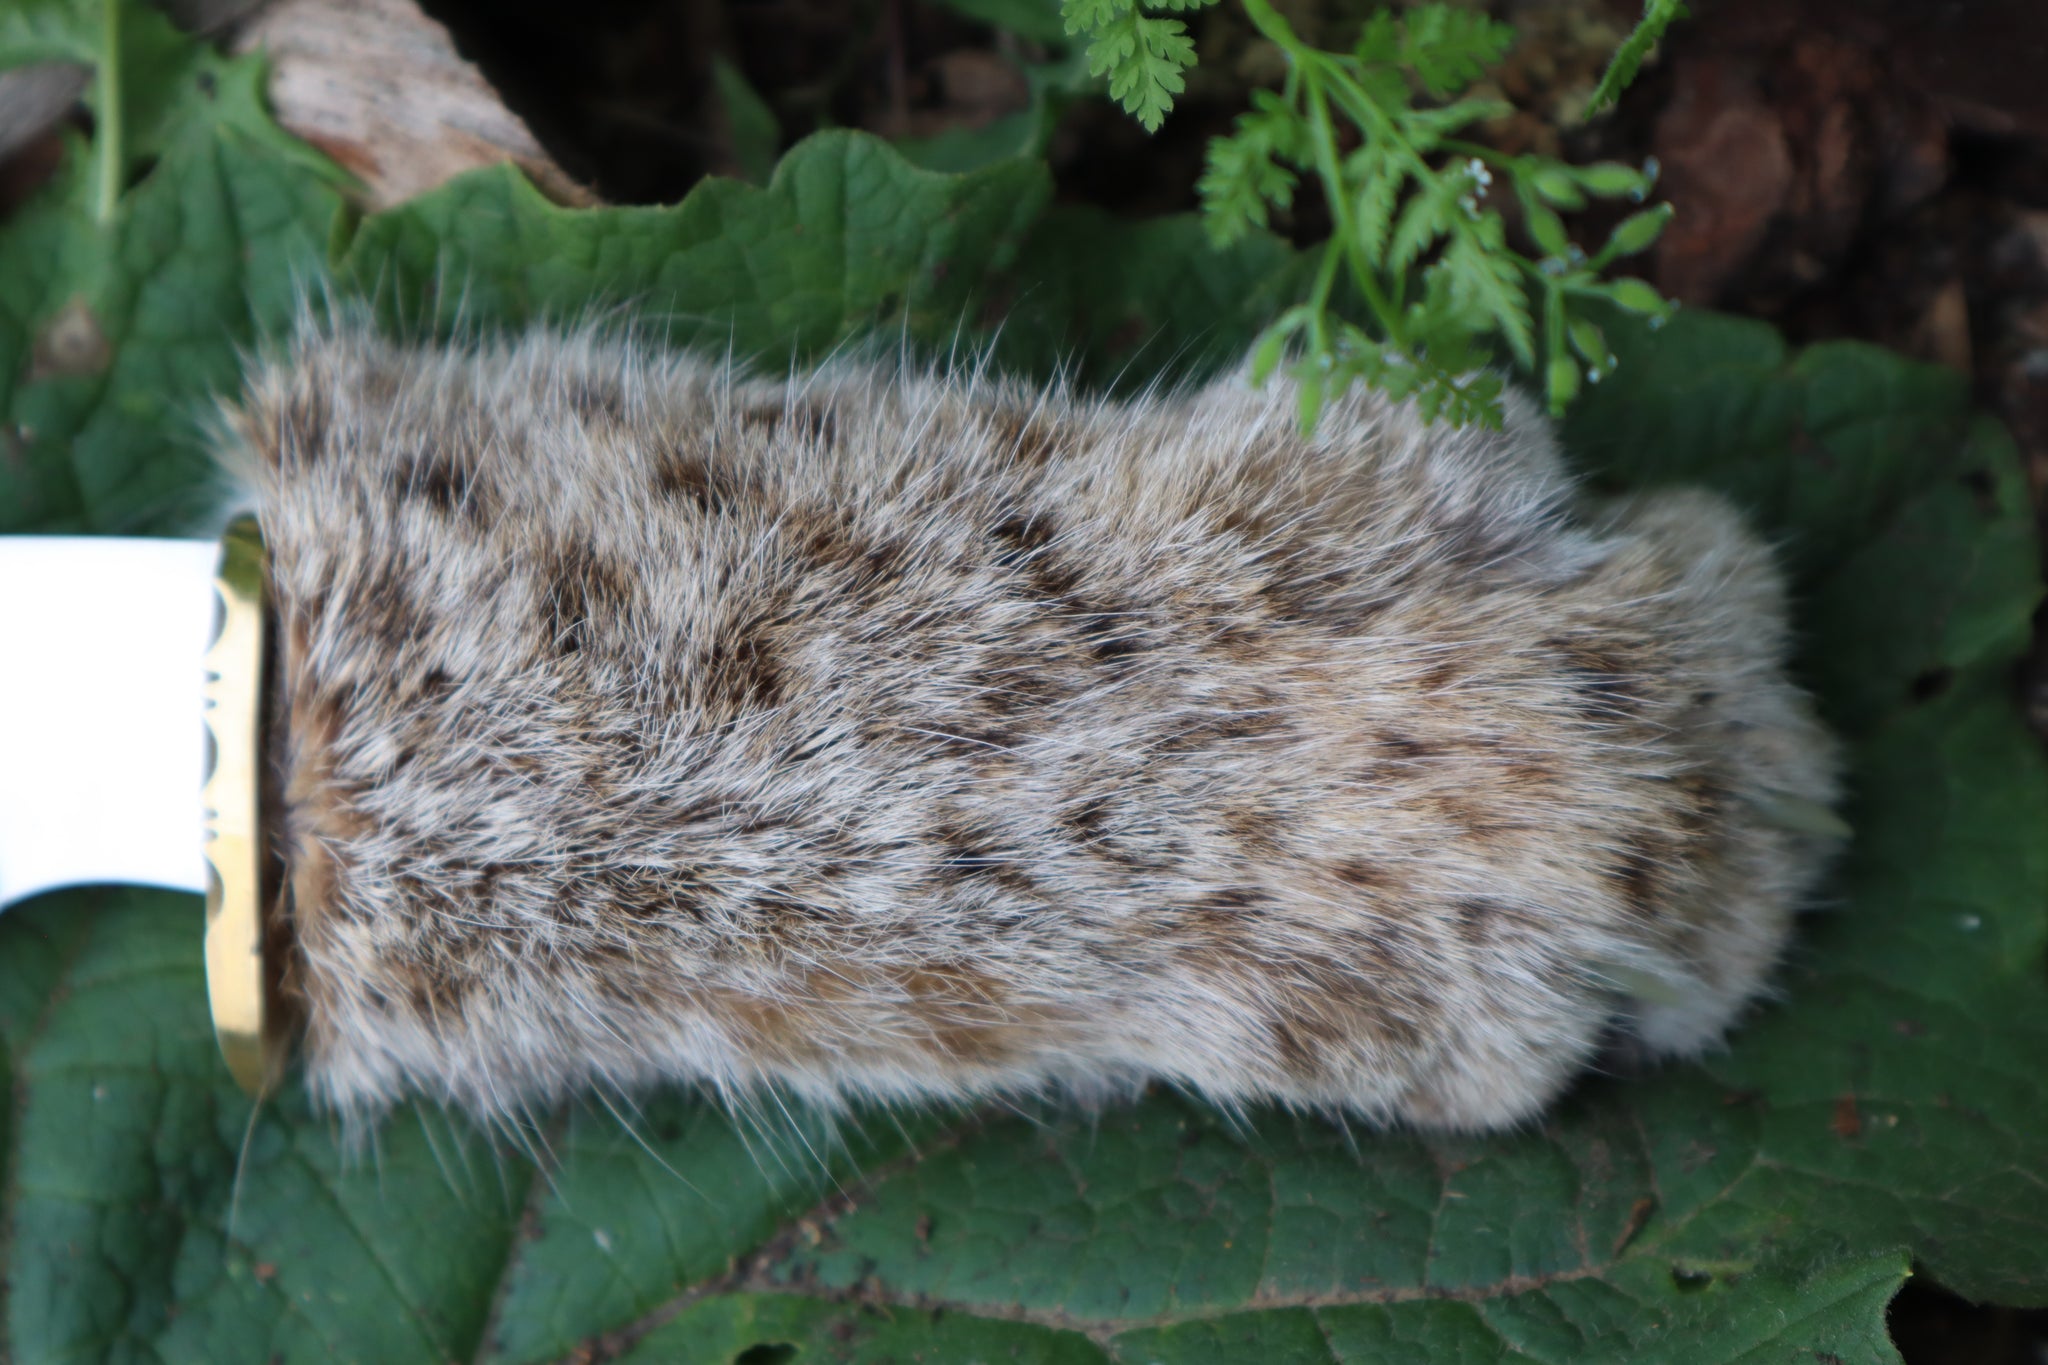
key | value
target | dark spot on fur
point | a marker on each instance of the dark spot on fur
(435, 684)
(1441, 674)
(1247, 522)
(302, 434)
(598, 402)
(1635, 878)
(741, 669)
(1475, 542)
(382, 606)
(813, 744)
(690, 476)
(1325, 1005)
(1052, 579)
(976, 855)
(1407, 748)
(1215, 923)
(779, 927)
(659, 895)
(447, 483)
(1085, 818)
(1241, 641)
(1601, 672)
(883, 561)
(1021, 535)
(1012, 684)
(438, 990)
(1028, 440)
(1467, 812)
(1475, 920)
(1110, 646)
(485, 880)
(1109, 636)
(579, 590)
(1258, 830)
(312, 608)
(1231, 898)
(981, 744)
(1151, 855)
(378, 386)
(1300, 1039)
(1365, 874)
(1321, 599)
(845, 565)
(1704, 802)
(1223, 729)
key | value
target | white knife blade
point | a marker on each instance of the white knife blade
(102, 749)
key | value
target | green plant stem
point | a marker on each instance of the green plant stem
(1305, 63)
(107, 120)
(1344, 237)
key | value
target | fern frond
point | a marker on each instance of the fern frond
(1658, 15)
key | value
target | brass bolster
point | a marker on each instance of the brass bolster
(239, 987)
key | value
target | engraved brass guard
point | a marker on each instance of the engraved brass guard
(245, 1016)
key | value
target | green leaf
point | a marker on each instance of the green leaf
(1638, 297)
(1425, 218)
(1143, 58)
(1486, 284)
(1428, 127)
(1450, 48)
(1658, 15)
(202, 257)
(1760, 1205)
(1635, 233)
(1547, 229)
(1556, 185)
(1379, 189)
(848, 237)
(1244, 173)
(1086, 16)
(1611, 179)
(1591, 344)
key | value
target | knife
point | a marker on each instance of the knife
(107, 773)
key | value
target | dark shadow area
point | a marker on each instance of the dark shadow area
(1931, 1326)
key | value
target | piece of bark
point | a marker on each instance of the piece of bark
(380, 88)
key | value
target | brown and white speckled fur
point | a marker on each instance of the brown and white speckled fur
(883, 734)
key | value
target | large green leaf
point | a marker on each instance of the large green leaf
(1761, 1206)
(117, 330)
(848, 239)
